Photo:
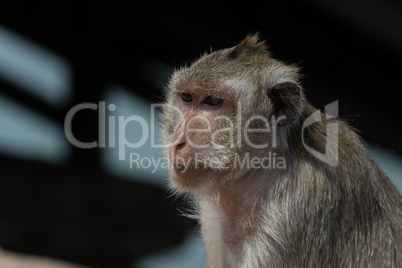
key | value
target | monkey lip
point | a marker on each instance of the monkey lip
(185, 167)
(182, 166)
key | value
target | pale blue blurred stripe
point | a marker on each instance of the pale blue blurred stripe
(34, 69)
(190, 254)
(128, 104)
(25, 134)
(390, 162)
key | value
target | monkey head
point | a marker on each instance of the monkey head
(225, 105)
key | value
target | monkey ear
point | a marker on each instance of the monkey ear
(285, 98)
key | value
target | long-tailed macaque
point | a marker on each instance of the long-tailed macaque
(274, 182)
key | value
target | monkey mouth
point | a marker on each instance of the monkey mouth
(187, 167)
(182, 166)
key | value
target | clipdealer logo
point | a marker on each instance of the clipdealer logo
(148, 130)
(330, 156)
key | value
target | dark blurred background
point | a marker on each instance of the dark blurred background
(86, 206)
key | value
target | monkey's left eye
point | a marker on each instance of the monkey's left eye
(213, 100)
(186, 97)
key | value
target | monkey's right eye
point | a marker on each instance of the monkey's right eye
(186, 97)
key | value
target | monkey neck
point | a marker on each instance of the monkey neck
(237, 203)
(230, 202)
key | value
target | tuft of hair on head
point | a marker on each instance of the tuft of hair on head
(250, 41)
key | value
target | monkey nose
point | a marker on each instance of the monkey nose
(180, 146)
(177, 149)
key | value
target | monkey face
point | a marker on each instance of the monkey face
(200, 147)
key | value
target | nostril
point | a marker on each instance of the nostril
(180, 146)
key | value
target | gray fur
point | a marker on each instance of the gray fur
(307, 215)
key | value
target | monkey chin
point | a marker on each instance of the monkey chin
(192, 178)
